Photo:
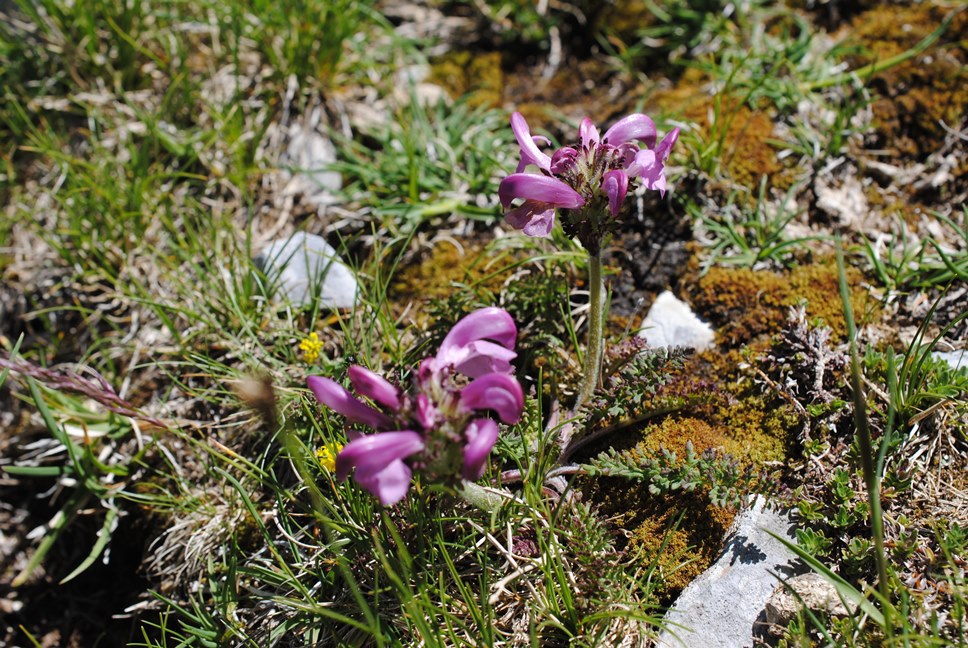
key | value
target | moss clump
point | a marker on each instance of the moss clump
(744, 304)
(674, 433)
(747, 429)
(922, 94)
(682, 536)
(447, 265)
(747, 154)
(476, 76)
(743, 135)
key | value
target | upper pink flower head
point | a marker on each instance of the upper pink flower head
(439, 428)
(587, 182)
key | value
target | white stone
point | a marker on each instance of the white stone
(305, 265)
(724, 606)
(814, 591)
(957, 359)
(671, 323)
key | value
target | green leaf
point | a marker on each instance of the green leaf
(846, 591)
(104, 537)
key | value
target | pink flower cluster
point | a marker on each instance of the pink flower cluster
(440, 428)
(585, 180)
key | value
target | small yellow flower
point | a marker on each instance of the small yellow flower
(326, 455)
(311, 347)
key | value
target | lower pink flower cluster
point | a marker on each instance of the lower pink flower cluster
(440, 428)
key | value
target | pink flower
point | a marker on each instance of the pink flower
(439, 428)
(378, 460)
(586, 183)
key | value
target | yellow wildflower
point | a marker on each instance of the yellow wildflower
(326, 455)
(311, 347)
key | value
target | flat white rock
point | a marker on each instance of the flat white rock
(671, 323)
(305, 265)
(957, 359)
(724, 607)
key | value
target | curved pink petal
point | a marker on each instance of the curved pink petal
(633, 127)
(481, 436)
(426, 412)
(483, 357)
(498, 392)
(643, 162)
(331, 394)
(389, 484)
(374, 386)
(532, 218)
(539, 188)
(530, 153)
(616, 184)
(491, 323)
(588, 134)
(651, 170)
(665, 146)
(374, 452)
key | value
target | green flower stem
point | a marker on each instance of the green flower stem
(595, 348)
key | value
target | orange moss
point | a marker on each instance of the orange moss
(918, 95)
(624, 19)
(743, 134)
(674, 433)
(665, 531)
(678, 529)
(747, 155)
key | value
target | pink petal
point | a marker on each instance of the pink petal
(651, 170)
(532, 218)
(616, 184)
(481, 436)
(498, 392)
(530, 153)
(539, 188)
(374, 452)
(644, 161)
(665, 146)
(389, 484)
(331, 394)
(426, 412)
(483, 357)
(491, 323)
(587, 134)
(633, 127)
(376, 387)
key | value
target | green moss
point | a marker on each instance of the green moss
(476, 76)
(435, 274)
(746, 427)
(743, 304)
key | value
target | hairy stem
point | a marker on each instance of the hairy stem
(592, 370)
